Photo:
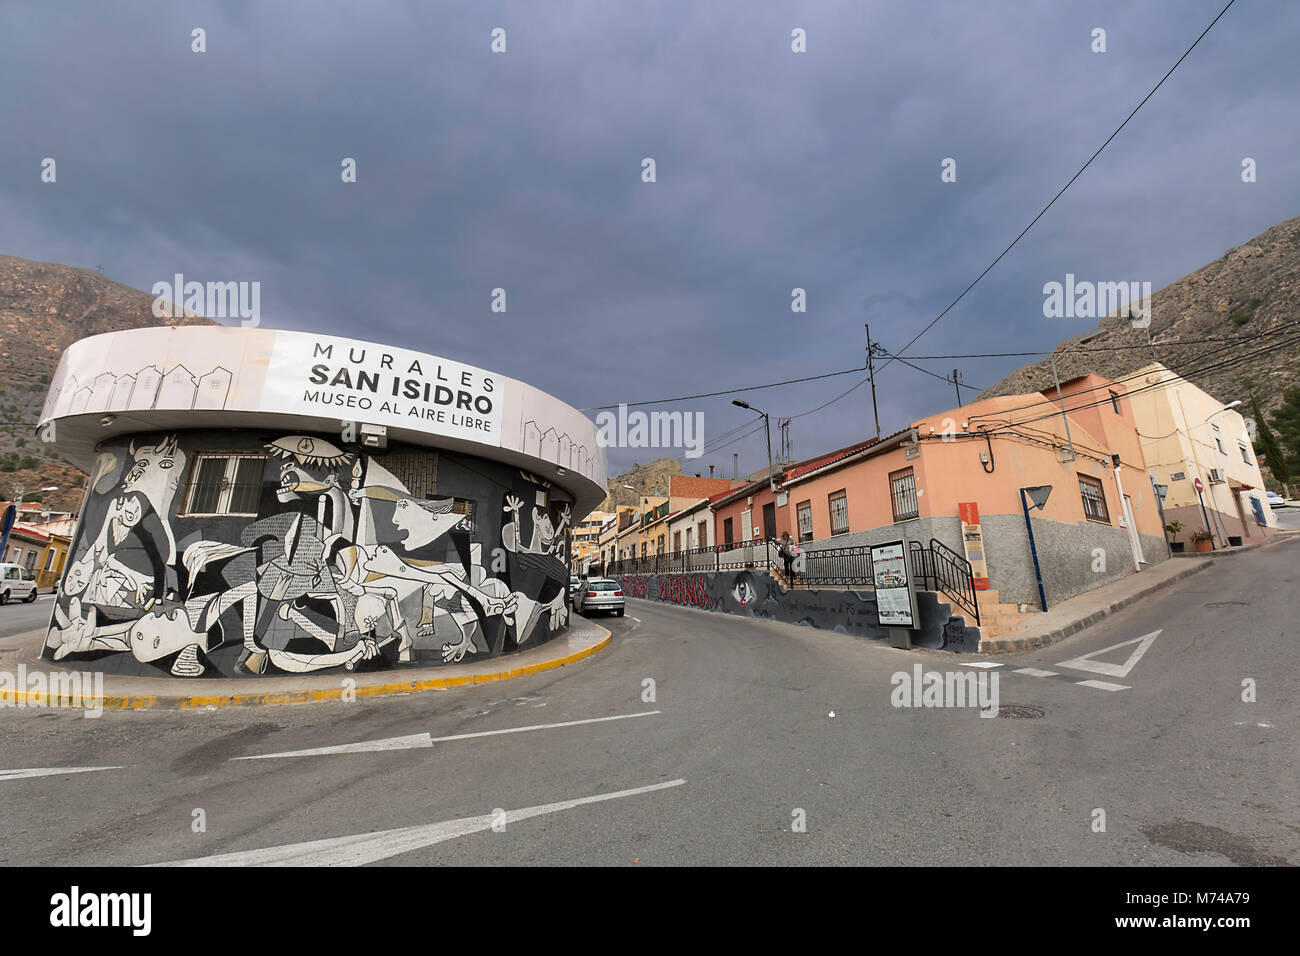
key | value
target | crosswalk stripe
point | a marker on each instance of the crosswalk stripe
(1102, 685)
(1034, 672)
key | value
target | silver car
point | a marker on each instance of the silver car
(599, 594)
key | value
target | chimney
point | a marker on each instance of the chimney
(697, 474)
(710, 471)
(735, 465)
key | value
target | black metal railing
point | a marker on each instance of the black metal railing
(761, 554)
(939, 568)
(934, 568)
(833, 567)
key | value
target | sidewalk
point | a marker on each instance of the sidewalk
(1084, 610)
(582, 640)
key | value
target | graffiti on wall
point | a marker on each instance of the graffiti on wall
(751, 593)
(301, 556)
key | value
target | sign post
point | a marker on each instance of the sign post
(972, 539)
(895, 603)
(1038, 494)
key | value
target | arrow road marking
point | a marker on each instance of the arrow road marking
(1086, 662)
(414, 741)
(363, 848)
(48, 772)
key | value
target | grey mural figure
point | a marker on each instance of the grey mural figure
(547, 537)
(341, 561)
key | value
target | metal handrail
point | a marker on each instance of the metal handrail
(952, 574)
(936, 568)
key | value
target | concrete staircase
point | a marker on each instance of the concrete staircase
(997, 618)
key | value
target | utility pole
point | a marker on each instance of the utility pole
(871, 373)
(957, 384)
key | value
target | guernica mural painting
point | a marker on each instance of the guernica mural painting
(238, 553)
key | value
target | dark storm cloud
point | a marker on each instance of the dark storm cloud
(775, 170)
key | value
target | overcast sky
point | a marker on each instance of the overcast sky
(775, 170)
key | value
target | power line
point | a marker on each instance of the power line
(1225, 363)
(1133, 375)
(1062, 190)
(725, 391)
(1099, 349)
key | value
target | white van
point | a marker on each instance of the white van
(16, 582)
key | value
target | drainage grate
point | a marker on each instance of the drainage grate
(1229, 604)
(1020, 711)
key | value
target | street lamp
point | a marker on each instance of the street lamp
(645, 502)
(767, 428)
(1061, 398)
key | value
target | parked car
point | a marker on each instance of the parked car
(1275, 500)
(574, 583)
(599, 594)
(17, 582)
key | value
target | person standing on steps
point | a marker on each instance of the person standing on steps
(786, 545)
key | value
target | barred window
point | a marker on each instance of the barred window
(225, 485)
(1094, 501)
(839, 504)
(804, 511)
(902, 494)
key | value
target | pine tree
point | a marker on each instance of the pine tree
(1287, 422)
(1268, 445)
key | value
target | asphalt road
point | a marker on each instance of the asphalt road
(19, 617)
(738, 739)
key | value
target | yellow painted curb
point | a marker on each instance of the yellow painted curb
(13, 698)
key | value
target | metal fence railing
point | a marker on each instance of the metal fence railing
(934, 567)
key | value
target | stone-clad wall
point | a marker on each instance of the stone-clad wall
(756, 594)
(1065, 552)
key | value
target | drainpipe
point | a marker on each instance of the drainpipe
(1134, 544)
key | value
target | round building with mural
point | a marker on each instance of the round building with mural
(263, 502)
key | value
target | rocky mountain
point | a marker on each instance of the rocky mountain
(1247, 297)
(44, 307)
(651, 479)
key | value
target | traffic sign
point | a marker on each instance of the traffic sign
(1196, 483)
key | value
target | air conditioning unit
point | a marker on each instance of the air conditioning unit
(1216, 476)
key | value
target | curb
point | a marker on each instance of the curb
(24, 698)
(1004, 646)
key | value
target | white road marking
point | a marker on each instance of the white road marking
(1033, 672)
(565, 723)
(1086, 662)
(48, 772)
(362, 848)
(1102, 685)
(415, 741)
(985, 664)
(409, 742)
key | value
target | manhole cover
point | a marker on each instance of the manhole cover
(1229, 604)
(1020, 711)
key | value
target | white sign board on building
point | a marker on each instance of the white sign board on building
(326, 375)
